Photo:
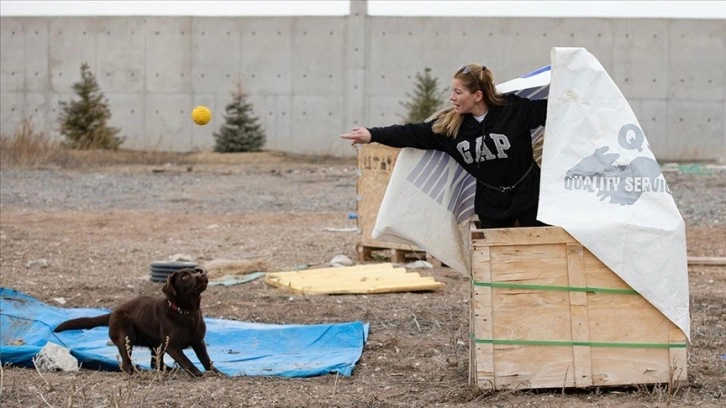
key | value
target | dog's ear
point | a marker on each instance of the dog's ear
(168, 288)
(199, 270)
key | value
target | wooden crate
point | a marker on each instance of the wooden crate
(375, 165)
(546, 313)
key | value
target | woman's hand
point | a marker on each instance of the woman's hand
(359, 135)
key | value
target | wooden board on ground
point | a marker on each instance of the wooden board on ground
(361, 279)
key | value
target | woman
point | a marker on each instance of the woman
(488, 134)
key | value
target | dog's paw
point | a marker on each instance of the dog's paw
(130, 369)
(194, 372)
(213, 372)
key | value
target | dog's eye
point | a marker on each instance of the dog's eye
(185, 277)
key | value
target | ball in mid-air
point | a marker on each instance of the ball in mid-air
(201, 115)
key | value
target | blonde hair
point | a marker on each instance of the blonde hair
(476, 78)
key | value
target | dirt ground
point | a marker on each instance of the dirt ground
(88, 234)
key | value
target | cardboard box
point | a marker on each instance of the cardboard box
(546, 313)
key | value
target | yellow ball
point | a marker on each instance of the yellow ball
(201, 115)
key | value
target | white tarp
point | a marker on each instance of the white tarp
(600, 182)
(429, 196)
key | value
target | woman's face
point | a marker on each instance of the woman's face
(464, 101)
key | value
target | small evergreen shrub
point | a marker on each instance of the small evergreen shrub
(84, 122)
(425, 100)
(240, 131)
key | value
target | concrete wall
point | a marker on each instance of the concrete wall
(312, 78)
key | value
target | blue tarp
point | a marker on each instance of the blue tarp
(236, 348)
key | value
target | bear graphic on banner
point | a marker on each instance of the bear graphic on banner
(621, 184)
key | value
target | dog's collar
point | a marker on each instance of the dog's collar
(177, 309)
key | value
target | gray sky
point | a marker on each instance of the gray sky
(627, 9)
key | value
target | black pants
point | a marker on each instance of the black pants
(526, 219)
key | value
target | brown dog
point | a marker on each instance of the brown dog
(168, 324)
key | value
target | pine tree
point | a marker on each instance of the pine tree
(240, 132)
(426, 99)
(84, 122)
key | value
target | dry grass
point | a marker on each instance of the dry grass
(26, 148)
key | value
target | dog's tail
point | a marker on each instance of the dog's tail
(83, 323)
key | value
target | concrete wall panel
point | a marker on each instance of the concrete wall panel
(267, 55)
(11, 111)
(696, 130)
(312, 78)
(129, 115)
(436, 53)
(594, 34)
(314, 118)
(215, 55)
(275, 115)
(121, 61)
(168, 55)
(24, 62)
(356, 54)
(698, 60)
(318, 63)
(640, 60)
(73, 42)
(385, 110)
(37, 47)
(395, 54)
(527, 46)
(37, 107)
(650, 118)
(168, 125)
(12, 63)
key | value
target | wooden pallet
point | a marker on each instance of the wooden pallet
(395, 255)
(375, 165)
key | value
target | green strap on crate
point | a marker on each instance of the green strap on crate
(578, 343)
(501, 285)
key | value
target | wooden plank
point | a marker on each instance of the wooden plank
(382, 246)
(581, 359)
(707, 260)
(637, 321)
(598, 275)
(358, 278)
(621, 366)
(678, 357)
(357, 281)
(524, 314)
(483, 364)
(368, 289)
(387, 268)
(625, 319)
(363, 279)
(520, 236)
(531, 366)
(541, 264)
